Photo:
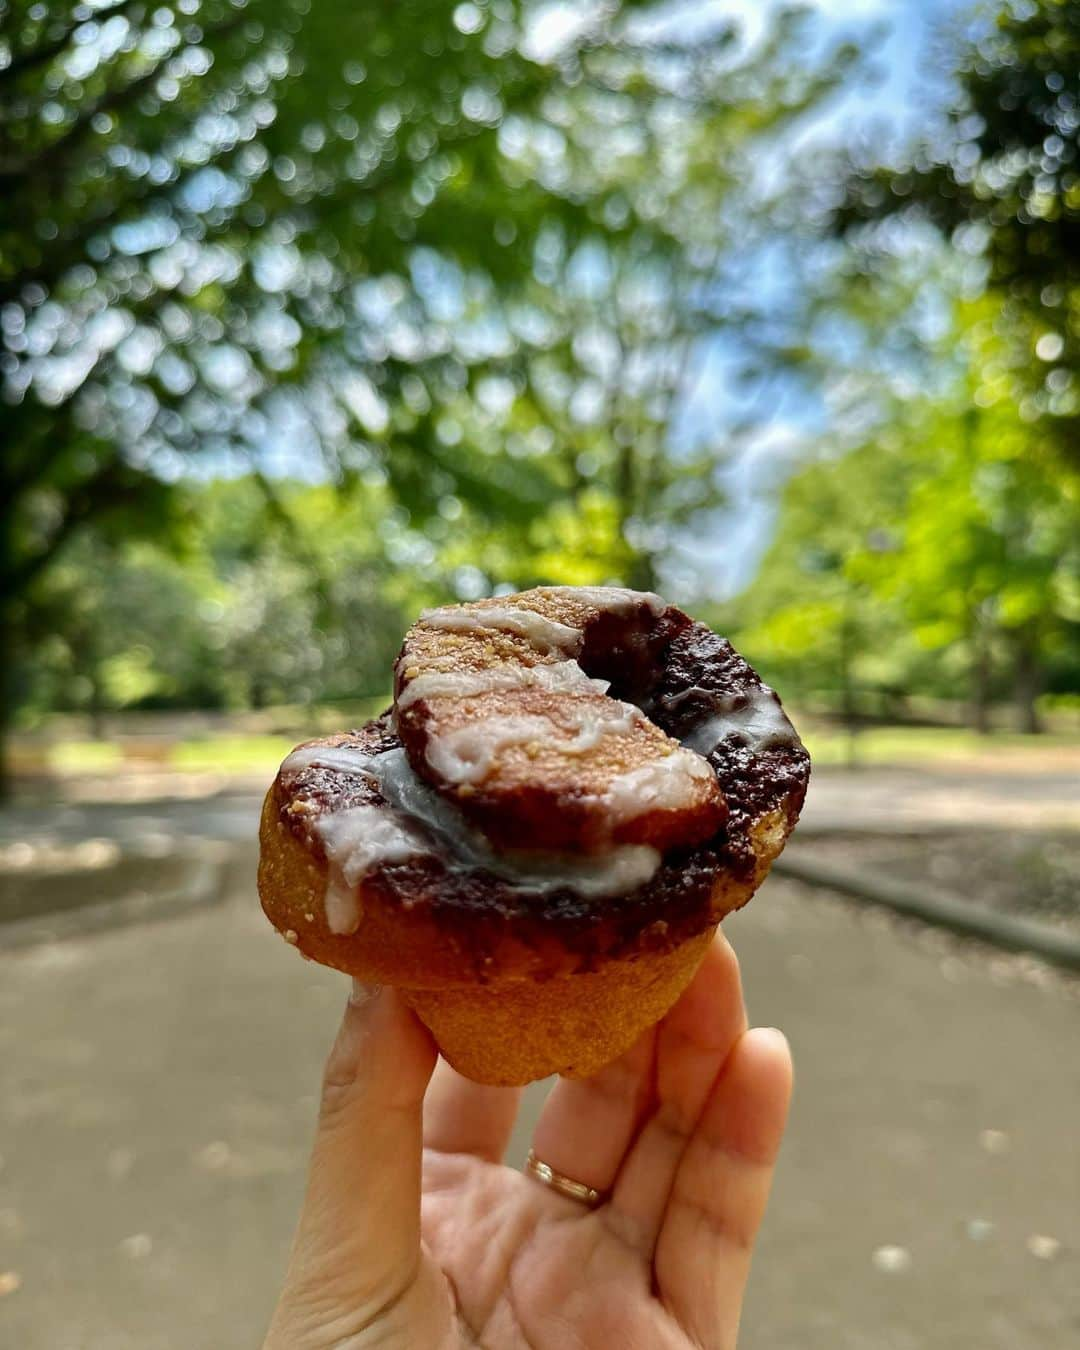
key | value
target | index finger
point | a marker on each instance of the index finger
(721, 1188)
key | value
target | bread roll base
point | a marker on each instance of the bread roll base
(514, 1032)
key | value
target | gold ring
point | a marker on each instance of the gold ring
(573, 1190)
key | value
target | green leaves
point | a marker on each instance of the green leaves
(949, 528)
(1003, 184)
(431, 308)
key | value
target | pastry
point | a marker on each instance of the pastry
(536, 843)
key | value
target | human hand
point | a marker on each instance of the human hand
(414, 1235)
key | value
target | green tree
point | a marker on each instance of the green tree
(990, 534)
(400, 241)
(938, 554)
(811, 619)
(1002, 179)
(248, 613)
(117, 625)
(191, 197)
(990, 554)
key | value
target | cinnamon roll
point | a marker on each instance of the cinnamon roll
(536, 843)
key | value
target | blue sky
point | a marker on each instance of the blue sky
(904, 38)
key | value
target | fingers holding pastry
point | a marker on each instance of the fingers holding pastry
(721, 1188)
(588, 1124)
(365, 1162)
(693, 1042)
(461, 1116)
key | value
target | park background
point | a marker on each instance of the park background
(312, 314)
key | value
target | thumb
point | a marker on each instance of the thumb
(357, 1246)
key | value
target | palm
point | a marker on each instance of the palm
(680, 1134)
(542, 1267)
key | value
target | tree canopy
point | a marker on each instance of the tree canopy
(419, 249)
(977, 421)
(311, 313)
(1002, 179)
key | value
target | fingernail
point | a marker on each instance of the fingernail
(363, 993)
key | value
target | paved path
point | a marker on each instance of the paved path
(157, 1088)
(944, 796)
(1042, 795)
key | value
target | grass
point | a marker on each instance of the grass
(261, 752)
(84, 756)
(248, 742)
(231, 754)
(922, 745)
(226, 754)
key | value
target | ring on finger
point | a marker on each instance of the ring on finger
(562, 1185)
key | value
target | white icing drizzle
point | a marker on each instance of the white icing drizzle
(617, 871)
(416, 821)
(755, 715)
(556, 677)
(344, 758)
(610, 599)
(468, 753)
(614, 872)
(594, 721)
(546, 635)
(357, 839)
(669, 784)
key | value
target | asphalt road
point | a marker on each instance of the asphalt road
(136, 807)
(157, 1089)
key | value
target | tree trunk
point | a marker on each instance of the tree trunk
(7, 601)
(848, 711)
(642, 573)
(7, 702)
(980, 680)
(1027, 685)
(98, 729)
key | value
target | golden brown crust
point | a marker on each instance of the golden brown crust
(516, 1032)
(539, 790)
(543, 787)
